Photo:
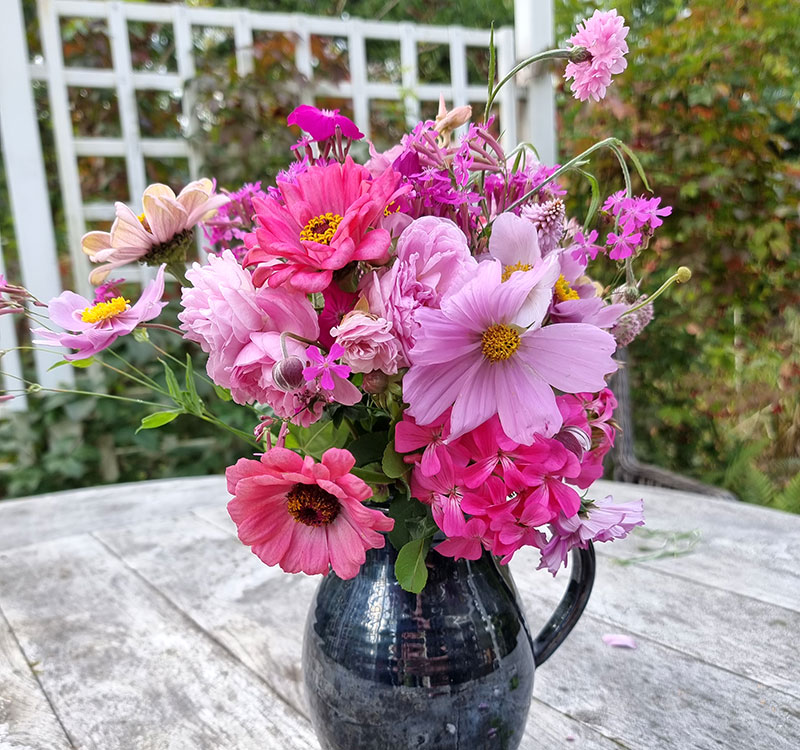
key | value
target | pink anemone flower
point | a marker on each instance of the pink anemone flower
(303, 515)
(161, 234)
(94, 326)
(327, 220)
(476, 358)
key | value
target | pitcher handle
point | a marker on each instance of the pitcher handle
(570, 608)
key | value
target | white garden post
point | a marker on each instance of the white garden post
(535, 32)
(27, 186)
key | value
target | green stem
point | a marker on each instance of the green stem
(152, 386)
(178, 270)
(162, 327)
(211, 419)
(682, 275)
(551, 54)
(153, 383)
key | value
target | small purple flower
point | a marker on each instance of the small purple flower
(321, 124)
(108, 290)
(325, 366)
(624, 244)
(583, 246)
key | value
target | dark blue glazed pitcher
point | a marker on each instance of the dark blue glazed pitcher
(448, 669)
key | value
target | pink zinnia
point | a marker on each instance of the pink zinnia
(321, 124)
(305, 516)
(603, 38)
(94, 326)
(475, 357)
(326, 220)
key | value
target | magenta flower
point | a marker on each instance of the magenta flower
(410, 437)
(469, 545)
(625, 243)
(337, 304)
(583, 246)
(92, 327)
(476, 358)
(603, 38)
(305, 516)
(326, 366)
(321, 123)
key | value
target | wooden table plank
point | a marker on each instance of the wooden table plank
(745, 549)
(58, 514)
(26, 719)
(123, 668)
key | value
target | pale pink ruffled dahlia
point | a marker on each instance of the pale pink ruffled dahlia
(476, 357)
(94, 326)
(303, 515)
(603, 37)
(161, 234)
(327, 219)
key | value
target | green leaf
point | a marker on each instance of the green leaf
(410, 568)
(392, 464)
(403, 510)
(222, 393)
(596, 198)
(636, 163)
(316, 439)
(160, 418)
(172, 384)
(369, 447)
(141, 335)
(370, 476)
(192, 398)
(82, 363)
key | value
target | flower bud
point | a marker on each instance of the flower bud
(287, 375)
(683, 274)
(575, 440)
(579, 55)
(375, 382)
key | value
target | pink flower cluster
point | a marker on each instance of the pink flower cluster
(487, 491)
(637, 219)
(603, 38)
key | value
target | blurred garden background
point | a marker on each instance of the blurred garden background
(711, 103)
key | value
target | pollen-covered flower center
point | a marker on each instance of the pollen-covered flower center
(392, 208)
(564, 291)
(499, 342)
(143, 221)
(321, 228)
(105, 310)
(309, 504)
(509, 270)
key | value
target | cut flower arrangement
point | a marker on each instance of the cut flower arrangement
(419, 338)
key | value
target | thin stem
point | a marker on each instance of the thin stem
(211, 419)
(135, 369)
(178, 270)
(154, 387)
(162, 327)
(551, 54)
(682, 275)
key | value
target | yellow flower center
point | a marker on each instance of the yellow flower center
(321, 228)
(105, 310)
(564, 291)
(509, 270)
(143, 221)
(392, 208)
(499, 342)
(310, 505)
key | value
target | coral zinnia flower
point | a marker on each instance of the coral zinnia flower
(326, 220)
(476, 357)
(304, 515)
(92, 327)
(162, 234)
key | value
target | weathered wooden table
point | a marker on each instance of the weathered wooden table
(131, 617)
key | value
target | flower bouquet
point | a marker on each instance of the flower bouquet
(425, 355)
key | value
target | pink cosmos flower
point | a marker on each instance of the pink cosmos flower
(601, 521)
(368, 343)
(321, 123)
(515, 243)
(92, 327)
(603, 37)
(325, 367)
(477, 359)
(325, 221)
(240, 327)
(305, 516)
(162, 233)
(433, 259)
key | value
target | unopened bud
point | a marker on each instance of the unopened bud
(575, 440)
(287, 375)
(579, 55)
(375, 382)
(683, 274)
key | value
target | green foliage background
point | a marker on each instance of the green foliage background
(710, 102)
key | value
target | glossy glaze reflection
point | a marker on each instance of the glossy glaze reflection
(449, 669)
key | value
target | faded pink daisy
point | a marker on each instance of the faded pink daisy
(303, 515)
(603, 38)
(162, 234)
(477, 358)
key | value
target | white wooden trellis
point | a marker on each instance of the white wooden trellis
(536, 124)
